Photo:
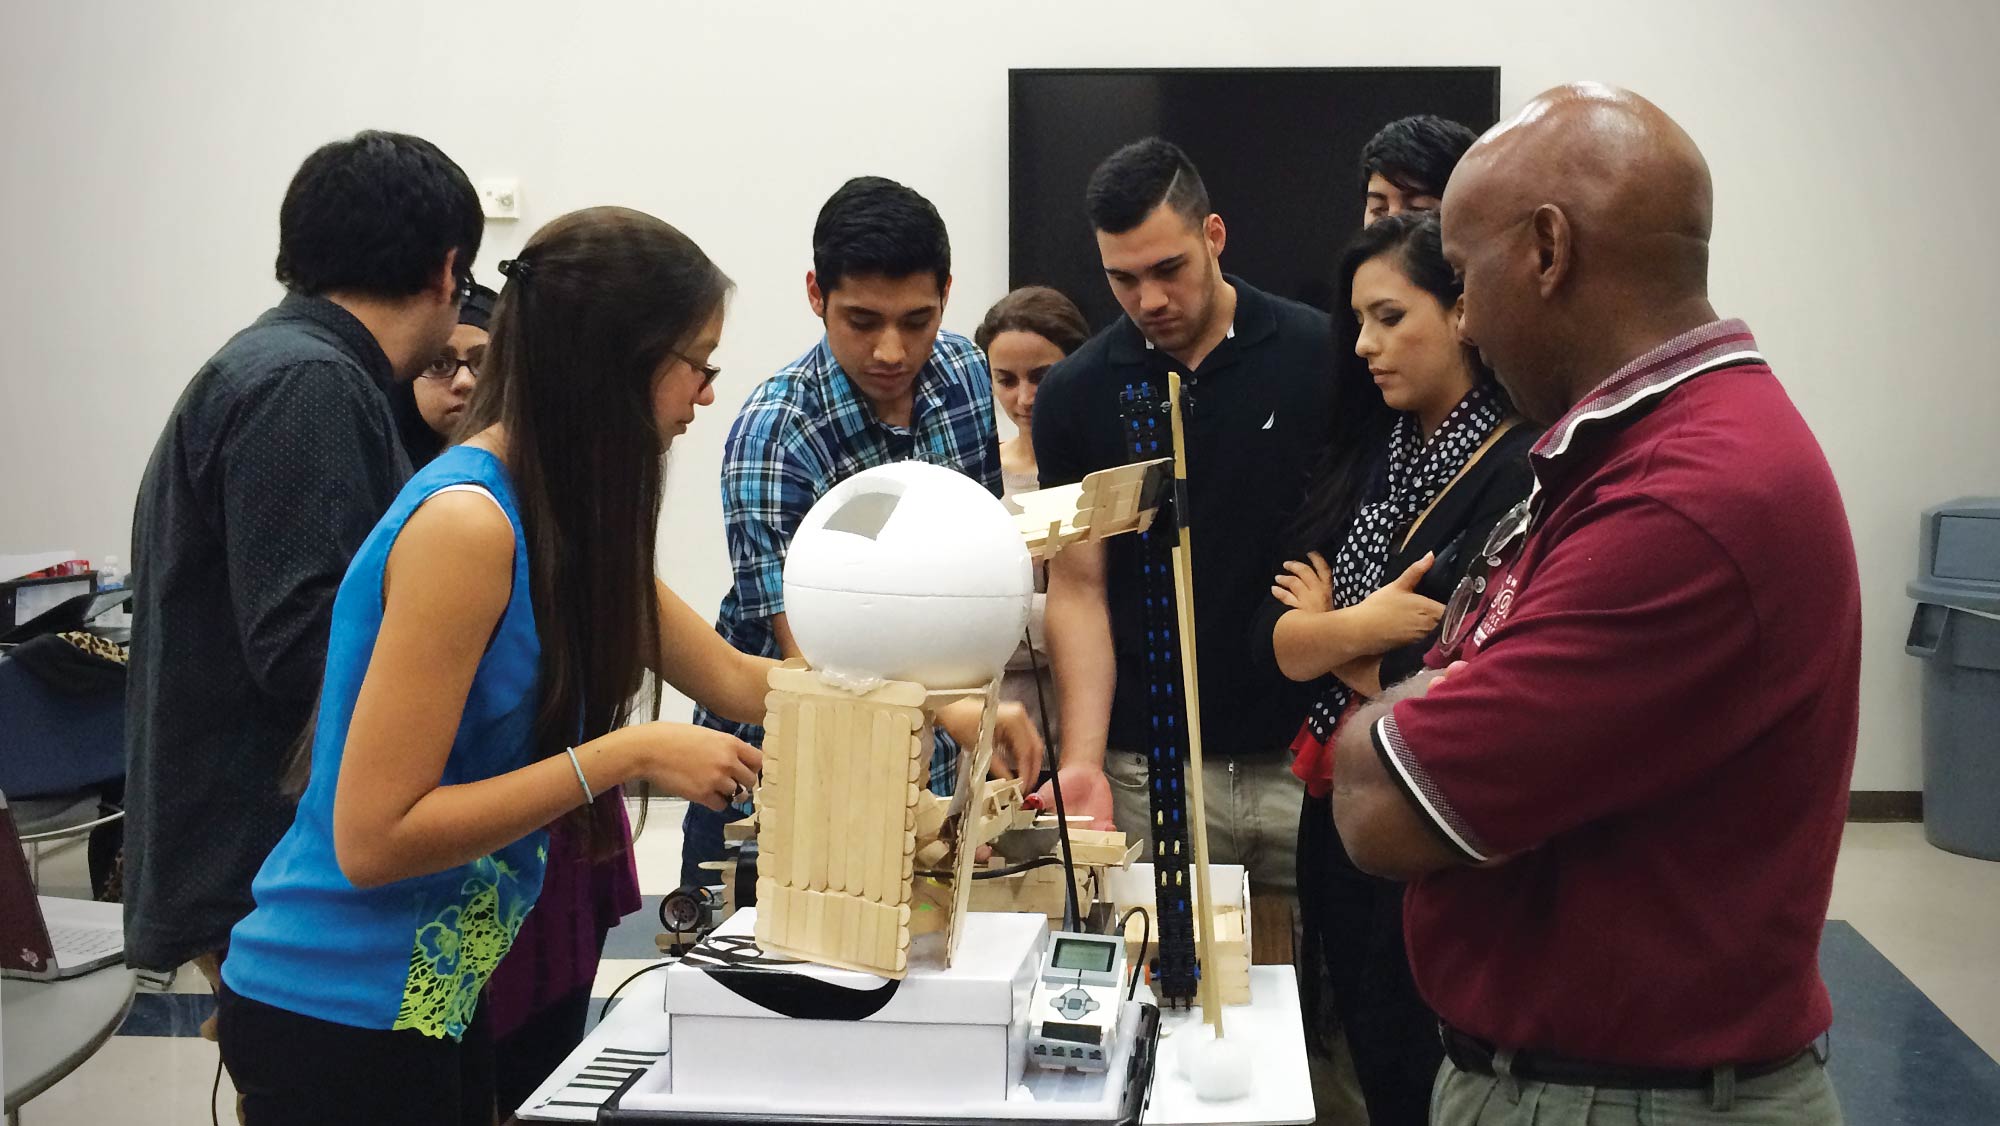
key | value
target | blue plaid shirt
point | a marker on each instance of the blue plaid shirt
(805, 430)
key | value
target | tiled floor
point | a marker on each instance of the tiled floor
(1913, 961)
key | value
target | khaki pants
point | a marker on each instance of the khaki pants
(1253, 813)
(1797, 1095)
(1253, 820)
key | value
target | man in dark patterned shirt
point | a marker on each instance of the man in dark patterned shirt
(274, 465)
(883, 385)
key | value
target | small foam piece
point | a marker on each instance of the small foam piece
(1219, 1070)
(858, 684)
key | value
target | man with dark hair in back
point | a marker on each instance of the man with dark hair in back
(1257, 406)
(1408, 162)
(276, 462)
(884, 384)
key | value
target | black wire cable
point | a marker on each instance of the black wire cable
(1071, 915)
(1145, 941)
(606, 1007)
(215, 1090)
(994, 873)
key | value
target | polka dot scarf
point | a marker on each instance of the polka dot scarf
(1418, 472)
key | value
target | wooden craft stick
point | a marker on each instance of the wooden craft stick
(870, 921)
(881, 768)
(899, 954)
(813, 927)
(1183, 560)
(808, 818)
(775, 789)
(849, 748)
(771, 914)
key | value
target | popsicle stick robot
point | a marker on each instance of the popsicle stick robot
(838, 808)
(894, 633)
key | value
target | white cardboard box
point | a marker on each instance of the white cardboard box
(956, 1034)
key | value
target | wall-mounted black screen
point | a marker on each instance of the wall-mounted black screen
(1278, 149)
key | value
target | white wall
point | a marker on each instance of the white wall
(146, 148)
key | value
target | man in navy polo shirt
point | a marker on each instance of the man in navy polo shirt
(1257, 410)
(1620, 815)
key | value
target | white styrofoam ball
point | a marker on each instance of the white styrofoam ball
(909, 571)
(1220, 1070)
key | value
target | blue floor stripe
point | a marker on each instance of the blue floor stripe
(167, 1014)
(1898, 1060)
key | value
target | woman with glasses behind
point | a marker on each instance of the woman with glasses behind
(1427, 457)
(428, 407)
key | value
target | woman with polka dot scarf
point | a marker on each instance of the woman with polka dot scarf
(1428, 456)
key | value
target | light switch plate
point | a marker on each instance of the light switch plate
(500, 199)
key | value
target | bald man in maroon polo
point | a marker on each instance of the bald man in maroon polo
(1620, 814)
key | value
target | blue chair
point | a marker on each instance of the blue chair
(59, 756)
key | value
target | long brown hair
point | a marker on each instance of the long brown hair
(592, 306)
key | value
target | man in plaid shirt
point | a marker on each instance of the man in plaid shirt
(883, 385)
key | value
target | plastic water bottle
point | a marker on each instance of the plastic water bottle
(111, 576)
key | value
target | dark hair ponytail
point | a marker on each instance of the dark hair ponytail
(592, 307)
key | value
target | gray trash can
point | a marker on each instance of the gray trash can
(1957, 633)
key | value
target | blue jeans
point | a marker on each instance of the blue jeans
(701, 841)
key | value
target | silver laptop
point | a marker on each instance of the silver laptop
(45, 938)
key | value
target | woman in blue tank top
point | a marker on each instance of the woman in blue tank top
(486, 649)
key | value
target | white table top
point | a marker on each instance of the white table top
(1270, 1026)
(51, 1027)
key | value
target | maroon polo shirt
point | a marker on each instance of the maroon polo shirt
(1652, 741)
